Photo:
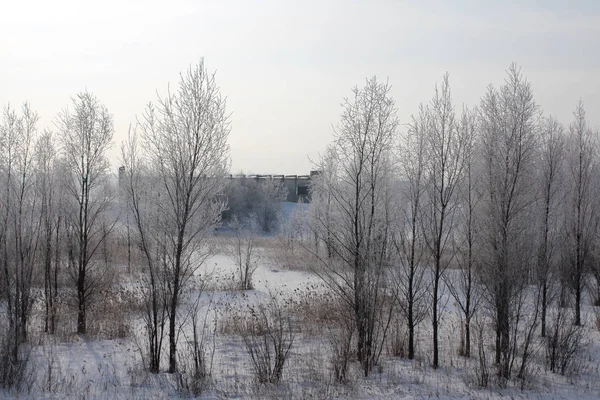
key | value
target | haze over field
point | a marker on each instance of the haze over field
(286, 66)
(446, 242)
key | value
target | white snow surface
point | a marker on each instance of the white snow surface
(111, 369)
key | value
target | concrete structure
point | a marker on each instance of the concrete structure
(297, 185)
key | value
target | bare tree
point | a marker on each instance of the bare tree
(184, 139)
(508, 133)
(550, 166)
(321, 209)
(253, 195)
(446, 154)
(464, 289)
(359, 186)
(244, 251)
(149, 235)
(409, 241)
(565, 341)
(582, 205)
(20, 221)
(271, 193)
(85, 134)
(49, 195)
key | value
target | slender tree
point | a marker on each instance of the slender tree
(321, 204)
(464, 288)
(149, 235)
(20, 221)
(508, 128)
(409, 241)
(85, 134)
(582, 205)
(184, 139)
(446, 154)
(360, 199)
(550, 185)
(244, 252)
(49, 195)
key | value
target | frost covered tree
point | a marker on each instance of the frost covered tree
(463, 286)
(20, 224)
(446, 151)
(49, 194)
(582, 203)
(410, 282)
(267, 205)
(508, 129)
(321, 204)
(85, 134)
(148, 234)
(259, 197)
(244, 252)
(183, 142)
(550, 198)
(359, 189)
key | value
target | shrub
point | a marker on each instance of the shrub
(397, 339)
(268, 337)
(197, 362)
(563, 342)
(244, 252)
(481, 367)
(14, 367)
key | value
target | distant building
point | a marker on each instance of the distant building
(297, 185)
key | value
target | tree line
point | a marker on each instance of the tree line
(494, 204)
(60, 208)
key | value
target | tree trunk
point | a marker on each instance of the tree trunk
(56, 269)
(172, 336)
(504, 337)
(435, 323)
(47, 297)
(128, 247)
(411, 332)
(578, 300)
(544, 305)
(81, 317)
(468, 338)
(498, 312)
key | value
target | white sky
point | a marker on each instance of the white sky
(285, 66)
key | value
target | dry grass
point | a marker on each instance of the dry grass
(286, 254)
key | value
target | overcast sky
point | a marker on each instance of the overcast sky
(285, 66)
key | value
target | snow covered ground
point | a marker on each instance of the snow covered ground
(69, 366)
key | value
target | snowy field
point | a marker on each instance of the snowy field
(70, 366)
